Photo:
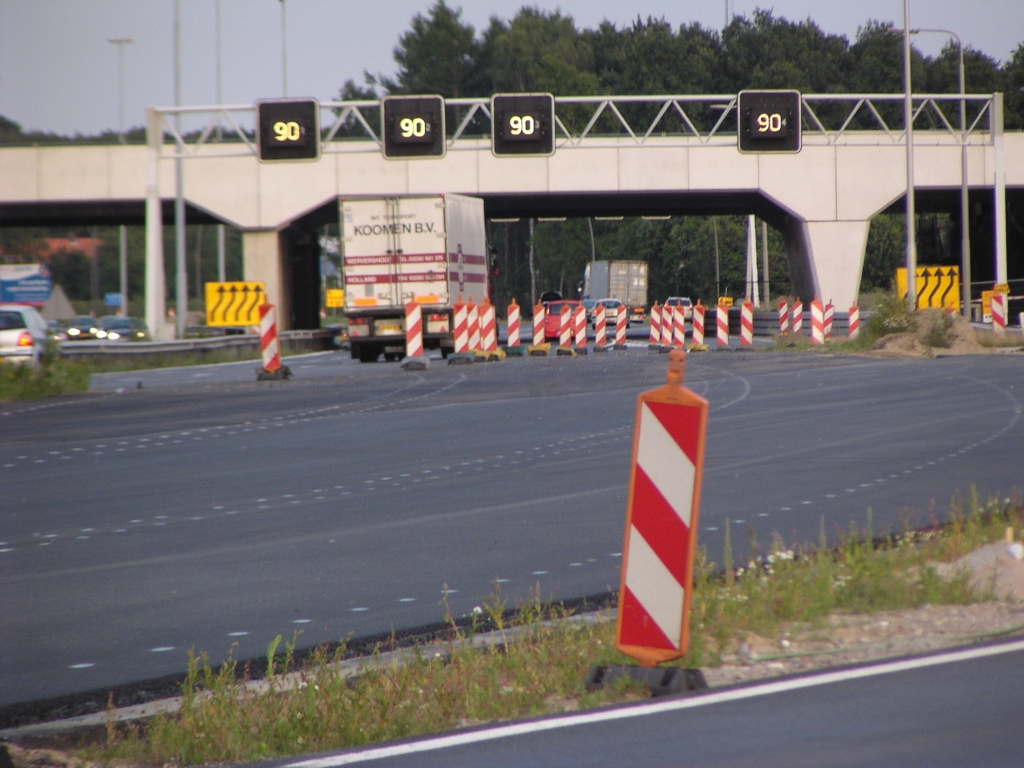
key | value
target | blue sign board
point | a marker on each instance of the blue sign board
(112, 299)
(25, 284)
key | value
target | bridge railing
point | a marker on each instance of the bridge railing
(702, 119)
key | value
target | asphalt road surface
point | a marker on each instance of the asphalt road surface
(206, 510)
(945, 711)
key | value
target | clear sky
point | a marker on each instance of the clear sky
(59, 73)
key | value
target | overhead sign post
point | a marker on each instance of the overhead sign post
(234, 304)
(288, 129)
(661, 520)
(523, 124)
(412, 126)
(768, 121)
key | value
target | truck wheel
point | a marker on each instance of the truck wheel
(367, 353)
(391, 357)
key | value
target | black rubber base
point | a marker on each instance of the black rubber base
(282, 373)
(662, 681)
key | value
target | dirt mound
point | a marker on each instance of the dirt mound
(937, 333)
(998, 568)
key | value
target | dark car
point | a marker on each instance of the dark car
(121, 328)
(81, 328)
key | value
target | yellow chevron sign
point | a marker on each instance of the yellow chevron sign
(234, 303)
(937, 287)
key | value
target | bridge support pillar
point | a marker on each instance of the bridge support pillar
(262, 259)
(826, 258)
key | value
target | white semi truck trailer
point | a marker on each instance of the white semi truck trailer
(427, 249)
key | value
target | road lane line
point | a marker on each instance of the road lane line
(642, 710)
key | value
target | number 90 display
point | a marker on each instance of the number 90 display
(412, 126)
(523, 124)
(288, 129)
(768, 121)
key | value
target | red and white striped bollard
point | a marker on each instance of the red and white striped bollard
(746, 324)
(854, 322)
(513, 324)
(600, 326)
(999, 313)
(830, 312)
(461, 326)
(621, 321)
(270, 350)
(488, 327)
(655, 326)
(817, 322)
(798, 316)
(668, 324)
(783, 316)
(679, 328)
(539, 323)
(473, 324)
(413, 329)
(723, 325)
(565, 327)
(579, 326)
(697, 332)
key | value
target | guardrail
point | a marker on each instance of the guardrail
(311, 341)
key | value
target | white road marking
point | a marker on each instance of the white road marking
(83, 665)
(237, 634)
(162, 649)
(633, 711)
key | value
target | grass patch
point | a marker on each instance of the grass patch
(539, 659)
(989, 338)
(52, 377)
(116, 364)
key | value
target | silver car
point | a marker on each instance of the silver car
(23, 333)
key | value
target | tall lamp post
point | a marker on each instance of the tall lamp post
(181, 276)
(908, 119)
(121, 42)
(284, 52)
(965, 238)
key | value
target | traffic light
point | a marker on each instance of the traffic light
(769, 121)
(413, 126)
(288, 129)
(523, 124)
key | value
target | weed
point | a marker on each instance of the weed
(890, 315)
(540, 662)
(50, 378)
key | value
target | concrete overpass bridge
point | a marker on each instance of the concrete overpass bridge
(629, 155)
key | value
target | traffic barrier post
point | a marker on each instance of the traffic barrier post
(999, 313)
(668, 322)
(513, 324)
(697, 334)
(488, 326)
(661, 520)
(679, 327)
(413, 330)
(540, 346)
(579, 328)
(565, 331)
(830, 312)
(655, 341)
(746, 324)
(817, 322)
(461, 326)
(621, 320)
(473, 325)
(723, 325)
(798, 317)
(783, 316)
(600, 328)
(854, 321)
(270, 348)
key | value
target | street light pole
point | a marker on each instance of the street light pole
(908, 119)
(181, 279)
(120, 42)
(220, 136)
(284, 51)
(965, 208)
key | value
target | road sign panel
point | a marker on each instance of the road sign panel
(661, 520)
(288, 129)
(412, 126)
(523, 124)
(335, 298)
(769, 121)
(232, 304)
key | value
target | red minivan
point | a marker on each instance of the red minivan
(553, 318)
